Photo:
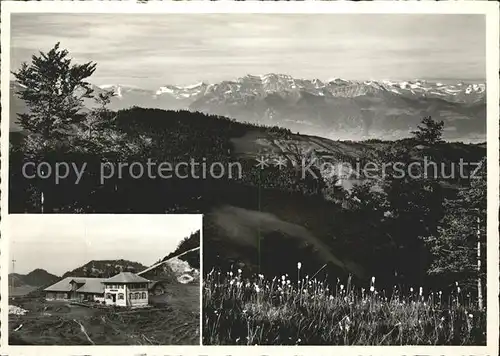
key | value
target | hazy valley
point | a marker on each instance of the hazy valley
(336, 109)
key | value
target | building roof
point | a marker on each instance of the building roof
(126, 277)
(61, 286)
(94, 285)
(78, 280)
(90, 285)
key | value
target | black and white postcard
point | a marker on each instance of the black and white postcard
(344, 157)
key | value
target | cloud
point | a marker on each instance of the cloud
(149, 50)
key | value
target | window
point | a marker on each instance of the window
(137, 295)
(120, 295)
(131, 296)
(143, 295)
(108, 296)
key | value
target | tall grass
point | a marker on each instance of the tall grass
(260, 311)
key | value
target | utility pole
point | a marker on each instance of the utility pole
(479, 283)
(13, 269)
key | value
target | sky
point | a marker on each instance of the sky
(151, 50)
(60, 243)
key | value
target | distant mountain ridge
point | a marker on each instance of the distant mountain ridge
(269, 83)
(36, 278)
(105, 268)
(335, 108)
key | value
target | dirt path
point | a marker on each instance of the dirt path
(82, 328)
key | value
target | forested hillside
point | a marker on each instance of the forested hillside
(397, 228)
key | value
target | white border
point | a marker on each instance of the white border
(489, 9)
(201, 281)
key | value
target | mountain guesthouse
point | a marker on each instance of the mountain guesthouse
(125, 289)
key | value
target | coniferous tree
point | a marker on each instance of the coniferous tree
(459, 245)
(430, 132)
(54, 89)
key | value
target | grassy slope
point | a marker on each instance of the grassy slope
(240, 311)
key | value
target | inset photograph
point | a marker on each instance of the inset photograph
(104, 280)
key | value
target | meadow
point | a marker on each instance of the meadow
(240, 310)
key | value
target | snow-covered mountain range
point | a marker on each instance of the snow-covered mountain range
(277, 83)
(334, 108)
